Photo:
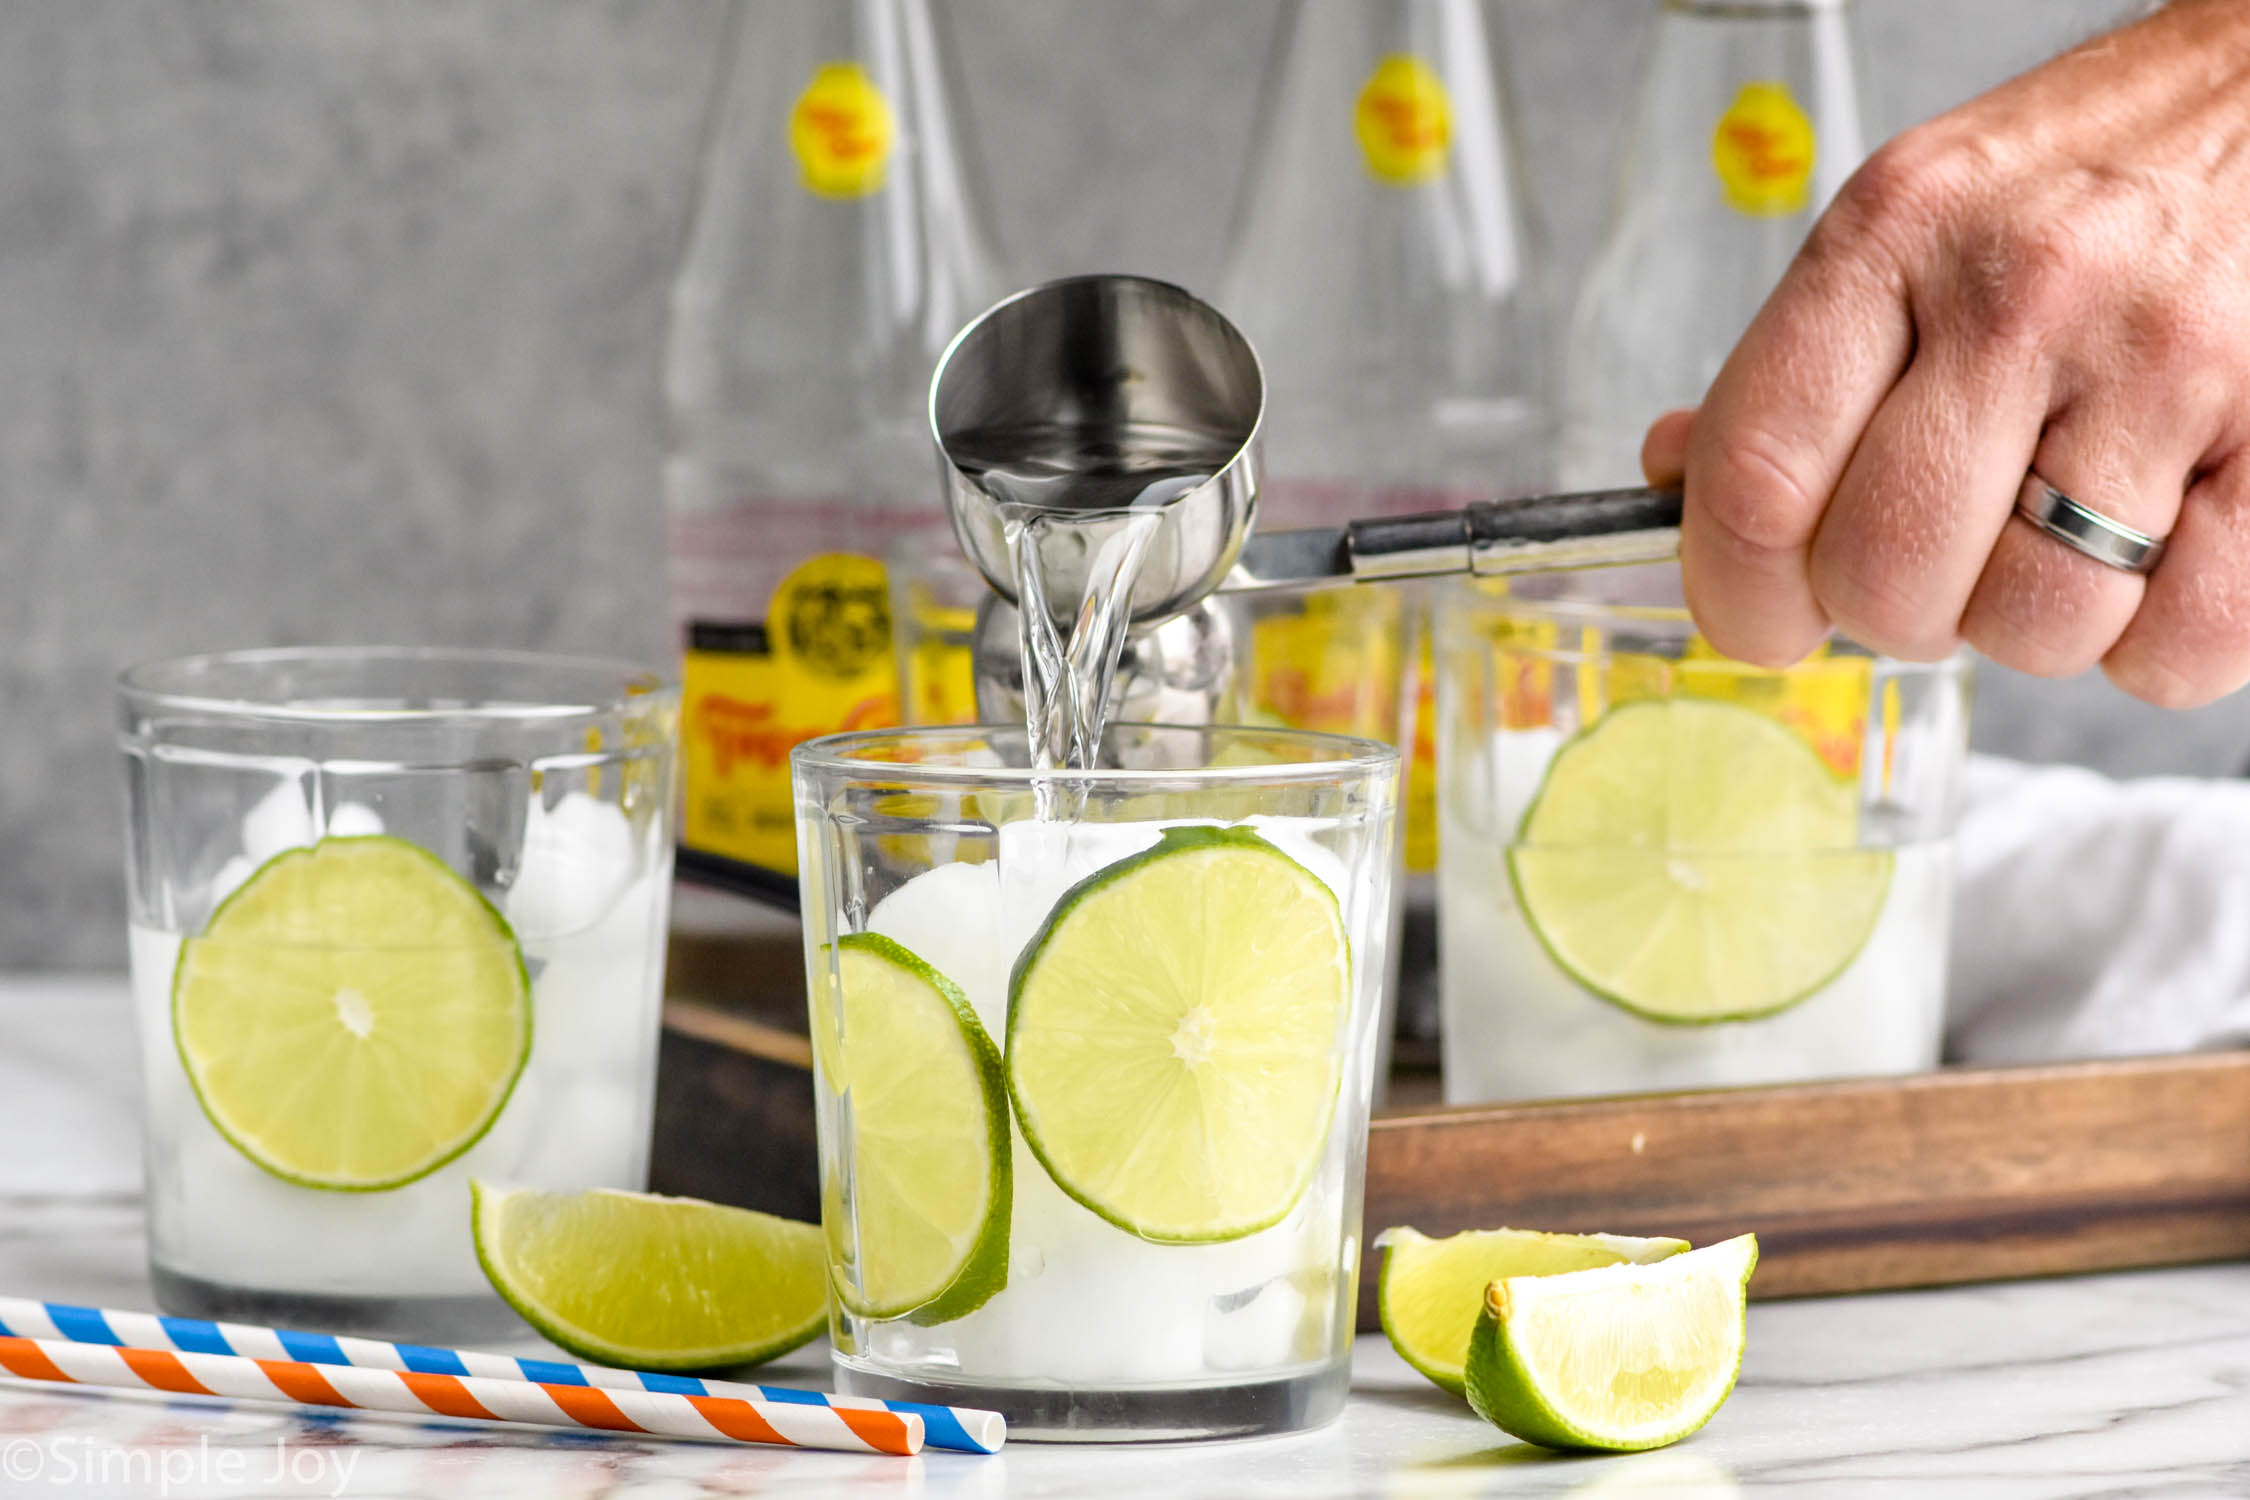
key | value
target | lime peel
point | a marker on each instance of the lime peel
(1430, 1291)
(649, 1282)
(1616, 1359)
(924, 1099)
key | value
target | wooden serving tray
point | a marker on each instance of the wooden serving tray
(1955, 1176)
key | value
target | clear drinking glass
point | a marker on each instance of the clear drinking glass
(935, 595)
(1661, 869)
(1182, 946)
(397, 921)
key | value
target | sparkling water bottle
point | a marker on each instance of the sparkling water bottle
(838, 239)
(1748, 122)
(1380, 263)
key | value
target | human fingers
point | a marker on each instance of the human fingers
(1778, 430)
(2189, 642)
(1925, 496)
(1664, 450)
(2045, 608)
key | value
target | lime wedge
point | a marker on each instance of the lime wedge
(651, 1283)
(1694, 861)
(1618, 1358)
(1430, 1291)
(923, 1109)
(1175, 1036)
(355, 1016)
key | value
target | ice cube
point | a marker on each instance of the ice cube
(576, 860)
(230, 876)
(354, 820)
(234, 1222)
(1086, 1302)
(282, 819)
(949, 918)
(1519, 769)
(1300, 839)
(1040, 860)
(594, 991)
(581, 1133)
(1263, 1332)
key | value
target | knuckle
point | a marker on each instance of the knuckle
(2043, 611)
(2155, 681)
(1766, 642)
(2022, 280)
(2190, 643)
(2177, 331)
(1909, 182)
(2031, 635)
(1877, 607)
(1887, 581)
(1754, 493)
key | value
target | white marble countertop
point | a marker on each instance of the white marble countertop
(2116, 1385)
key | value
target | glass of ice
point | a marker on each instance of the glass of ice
(1661, 869)
(397, 921)
(1094, 1054)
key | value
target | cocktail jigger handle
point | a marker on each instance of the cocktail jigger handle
(1599, 528)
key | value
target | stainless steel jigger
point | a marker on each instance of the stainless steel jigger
(1108, 395)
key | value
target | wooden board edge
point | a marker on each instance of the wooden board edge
(2045, 1170)
(737, 1032)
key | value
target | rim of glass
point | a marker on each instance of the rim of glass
(613, 685)
(1673, 617)
(1344, 755)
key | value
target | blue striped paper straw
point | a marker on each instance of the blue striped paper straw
(964, 1429)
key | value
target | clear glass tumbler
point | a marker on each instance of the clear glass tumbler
(1661, 869)
(935, 595)
(1094, 1055)
(397, 921)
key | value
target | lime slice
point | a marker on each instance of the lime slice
(651, 1283)
(1175, 1036)
(1694, 861)
(1430, 1291)
(923, 1109)
(355, 1016)
(1618, 1358)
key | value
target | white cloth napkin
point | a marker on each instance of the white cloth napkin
(2098, 918)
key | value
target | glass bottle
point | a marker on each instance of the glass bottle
(1381, 264)
(838, 238)
(1748, 122)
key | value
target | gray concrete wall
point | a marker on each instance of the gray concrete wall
(330, 321)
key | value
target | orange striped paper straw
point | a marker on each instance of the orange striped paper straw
(414, 1393)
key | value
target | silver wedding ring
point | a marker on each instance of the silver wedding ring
(2082, 530)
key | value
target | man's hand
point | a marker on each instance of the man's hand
(2054, 276)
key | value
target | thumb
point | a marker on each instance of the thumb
(1664, 450)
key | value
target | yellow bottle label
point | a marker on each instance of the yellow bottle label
(827, 668)
(1330, 663)
(1764, 150)
(1404, 121)
(841, 130)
